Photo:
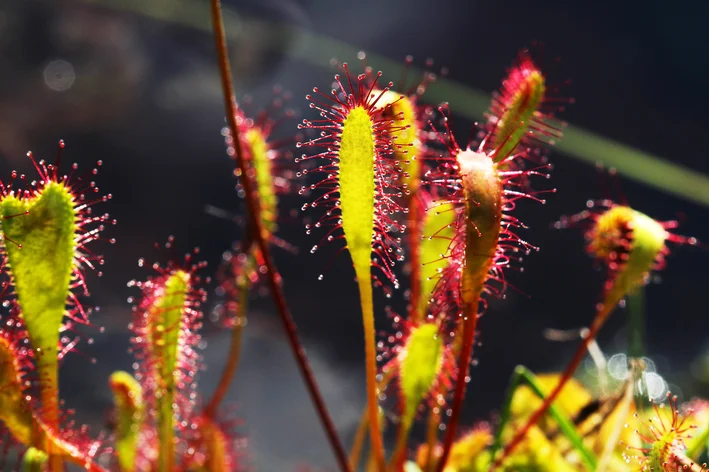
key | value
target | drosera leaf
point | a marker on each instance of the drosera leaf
(629, 243)
(15, 410)
(665, 431)
(407, 129)
(257, 148)
(21, 415)
(438, 234)
(129, 413)
(46, 229)
(516, 114)
(215, 447)
(265, 156)
(165, 341)
(420, 363)
(645, 239)
(41, 271)
(482, 190)
(361, 188)
(403, 103)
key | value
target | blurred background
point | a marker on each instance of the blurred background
(135, 84)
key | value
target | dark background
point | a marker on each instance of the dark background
(145, 99)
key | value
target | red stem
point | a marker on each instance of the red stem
(596, 326)
(256, 232)
(235, 345)
(466, 352)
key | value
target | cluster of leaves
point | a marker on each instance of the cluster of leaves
(396, 186)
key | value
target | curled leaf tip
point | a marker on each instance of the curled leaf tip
(522, 112)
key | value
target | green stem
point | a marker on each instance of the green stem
(361, 433)
(521, 376)
(636, 343)
(370, 352)
(48, 370)
(636, 322)
(166, 430)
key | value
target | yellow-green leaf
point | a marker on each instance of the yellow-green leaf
(129, 409)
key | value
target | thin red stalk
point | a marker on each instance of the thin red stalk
(234, 346)
(415, 225)
(596, 326)
(470, 321)
(256, 230)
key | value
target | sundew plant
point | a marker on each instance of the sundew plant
(430, 219)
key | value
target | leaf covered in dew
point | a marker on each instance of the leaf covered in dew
(357, 184)
(361, 189)
(42, 267)
(215, 446)
(46, 229)
(34, 460)
(515, 110)
(421, 360)
(483, 197)
(129, 414)
(664, 432)
(165, 316)
(257, 149)
(624, 230)
(15, 412)
(166, 339)
(361, 177)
